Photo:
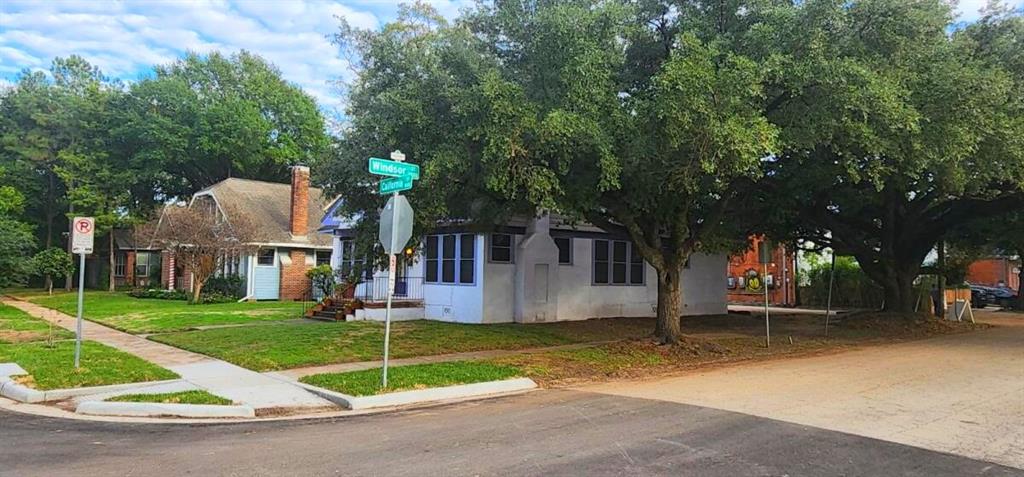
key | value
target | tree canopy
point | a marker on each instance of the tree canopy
(893, 132)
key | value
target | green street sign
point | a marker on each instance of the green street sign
(384, 167)
(395, 184)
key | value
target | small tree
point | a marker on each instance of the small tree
(52, 263)
(323, 279)
(200, 239)
(16, 240)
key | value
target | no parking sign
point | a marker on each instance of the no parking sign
(82, 231)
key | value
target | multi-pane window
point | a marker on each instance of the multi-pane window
(265, 257)
(617, 263)
(120, 264)
(450, 258)
(323, 257)
(564, 245)
(142, 264)
(349, 261)
(501, 248)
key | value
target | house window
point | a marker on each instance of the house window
(350, 262)
(142, 265)
(323, 257)
(616, 262)
(120, 264)
(450, 259)
(501, 248)
(564, 245)
(265, 257)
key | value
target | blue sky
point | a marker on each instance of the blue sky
(125, 38)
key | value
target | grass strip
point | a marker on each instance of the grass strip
(419, 376)
(183, 397)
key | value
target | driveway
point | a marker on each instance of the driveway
(961, 394)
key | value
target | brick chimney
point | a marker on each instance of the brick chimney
(300, 202)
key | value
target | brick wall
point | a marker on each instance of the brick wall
(294, 283)
(129, 269)
(991, 271)
(781, 267)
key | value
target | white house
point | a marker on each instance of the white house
(535, 270)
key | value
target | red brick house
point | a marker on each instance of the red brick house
(746, 279)
(995, 272)
(288, 216)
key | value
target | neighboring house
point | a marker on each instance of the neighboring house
(997, 271)
(533, 270)
(747, 279)
(287, 216)
(136, 264)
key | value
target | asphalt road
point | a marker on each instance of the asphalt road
(542, 433)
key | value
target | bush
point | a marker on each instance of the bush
(323, 279)
(227, 287)
(215, 297)
(852, 287)
(158, 294)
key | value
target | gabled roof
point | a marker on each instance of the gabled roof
(269, 204)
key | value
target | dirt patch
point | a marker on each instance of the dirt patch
(727, 339)
(15, 336)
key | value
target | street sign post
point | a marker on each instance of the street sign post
(395, 226)
(83, 232)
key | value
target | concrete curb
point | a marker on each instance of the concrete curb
(17, 392)
(152, 409)
(419, 396)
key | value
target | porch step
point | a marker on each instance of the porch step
(328, 315)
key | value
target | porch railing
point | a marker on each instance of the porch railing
(375, 290)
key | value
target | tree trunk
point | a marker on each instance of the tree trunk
(899, 293)
(49, 285)
(197, 290)
(667, 329)
(940, 307)
(71, 212)
(111, 286)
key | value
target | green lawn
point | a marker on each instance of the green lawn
(17, 326)
(184, 397)
(267, 348)
(135, 315)
(53, 367)
(365, 383)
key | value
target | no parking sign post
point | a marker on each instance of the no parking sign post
(83, 230)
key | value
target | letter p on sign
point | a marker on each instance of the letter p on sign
(82, 231)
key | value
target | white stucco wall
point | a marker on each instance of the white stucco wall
(491, 299)
(456, 303)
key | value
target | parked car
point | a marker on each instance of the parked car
(980, 297)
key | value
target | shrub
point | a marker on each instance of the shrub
(322, 278)
(230, 286)
(215, 297)
(158, 294)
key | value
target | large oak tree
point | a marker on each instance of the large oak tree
(635, 117)
(894, 131)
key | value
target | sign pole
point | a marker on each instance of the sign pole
(828, 302)
(767, 332)
(81, 300)
(392, 269)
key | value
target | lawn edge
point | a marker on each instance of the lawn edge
(422, 396)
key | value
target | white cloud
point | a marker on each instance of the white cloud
(126, 39)
(970, 10)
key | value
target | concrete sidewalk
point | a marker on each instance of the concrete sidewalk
(224, 379)
(961, 393)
